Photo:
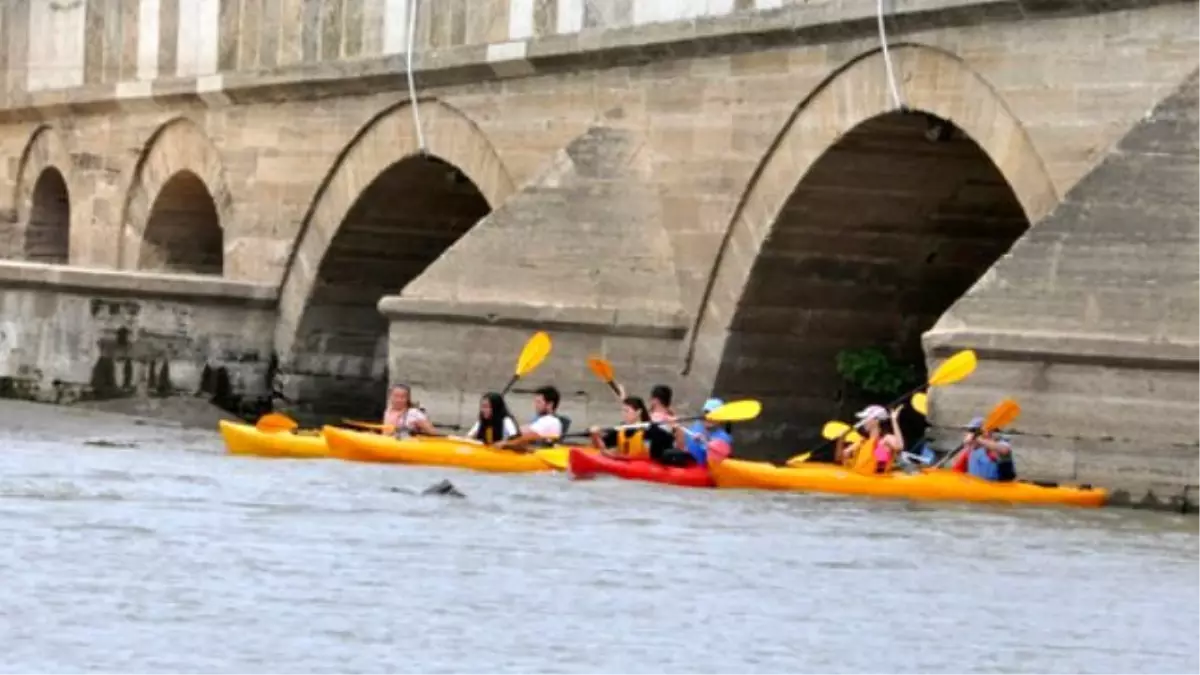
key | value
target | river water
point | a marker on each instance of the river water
(163, 555)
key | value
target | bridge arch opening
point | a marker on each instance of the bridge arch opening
(888, 228)
(48, 232)
(399, 224)
(183, 232)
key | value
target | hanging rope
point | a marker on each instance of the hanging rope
(897, 102)
(412, 85)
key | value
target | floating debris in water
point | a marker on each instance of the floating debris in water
(443, 488)
(101, 443)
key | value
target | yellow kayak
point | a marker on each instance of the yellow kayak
(245, 439)
(452, 452)
(928, 485)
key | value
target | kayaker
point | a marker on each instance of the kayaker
(547, 425)
(638, 443)
(494, 424)
(692, 442)
(881, 442)
(985, 455)
(660, 402)
(406, 421)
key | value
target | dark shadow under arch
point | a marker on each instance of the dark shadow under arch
(888, 228)
(48, 232)
(401, 223)
(183, 233)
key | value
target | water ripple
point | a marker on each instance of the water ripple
(169, 557)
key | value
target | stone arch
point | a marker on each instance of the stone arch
(179, 147)
(381, 143)
(42, 198)
(183, 232)
(384, 213)
(935, 83)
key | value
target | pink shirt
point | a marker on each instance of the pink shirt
(883, 450)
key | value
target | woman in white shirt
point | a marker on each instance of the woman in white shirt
(494, 424)
(405, 420)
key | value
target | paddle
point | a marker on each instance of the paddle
(735, 411)
(604, 370)
(387, 428)
(954, 369)
(1004, 414)
(536, 350)
(920, 403)
(832, 430)
(274, 423)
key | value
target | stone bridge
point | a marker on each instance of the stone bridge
(721, 195)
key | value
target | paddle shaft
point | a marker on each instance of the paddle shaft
(637, 425)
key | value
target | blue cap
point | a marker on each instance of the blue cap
(976, 424)
(712, 404)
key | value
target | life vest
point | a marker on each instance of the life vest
(864, 458)
(631, 443)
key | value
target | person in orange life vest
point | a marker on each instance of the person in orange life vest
(495, 424)
(881, 441)
(985, 455)
(404, 417)
(640, 443)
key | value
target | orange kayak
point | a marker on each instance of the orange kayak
(928, 485)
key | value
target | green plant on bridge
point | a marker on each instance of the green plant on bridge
(874, 372)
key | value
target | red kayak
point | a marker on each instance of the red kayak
(582, 463)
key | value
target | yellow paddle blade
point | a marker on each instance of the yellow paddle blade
(799, 459)
(555, 457)
(920, 403)
(835, 430)
(535, 351)
(954, 369)
(735, 411)
(273, 423)
(602, 368)
(1004, 414)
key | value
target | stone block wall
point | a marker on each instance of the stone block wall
(68, 334)
(1091, 321)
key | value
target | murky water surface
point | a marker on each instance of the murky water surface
(170, 557)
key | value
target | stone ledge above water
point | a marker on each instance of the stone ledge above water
(1066, 348)
(631, 323)
(143, 285)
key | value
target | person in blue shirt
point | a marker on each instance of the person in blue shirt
(986, 455)
(692, 442)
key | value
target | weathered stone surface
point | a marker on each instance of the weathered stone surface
(1091, 320)
(68, 334)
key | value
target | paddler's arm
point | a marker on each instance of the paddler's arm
(896, 430)
(425, 428)
(597, 439)
(521, 440)
(996, 446)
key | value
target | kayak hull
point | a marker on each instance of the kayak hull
(448, 452)
(245, 439)
(928, 485)
(584, 463)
